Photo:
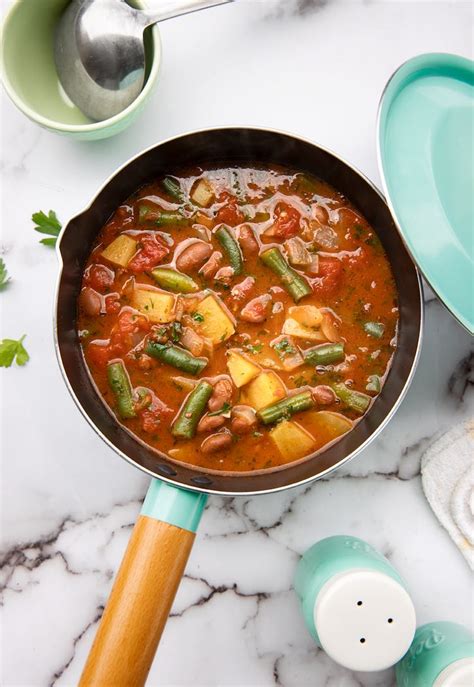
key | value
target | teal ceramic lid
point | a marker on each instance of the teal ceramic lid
(426, 159)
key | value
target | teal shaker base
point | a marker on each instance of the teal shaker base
(330, 557)
(435, 646)
(355, 604)
(173, 505)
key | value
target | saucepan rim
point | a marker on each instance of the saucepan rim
(202, 487)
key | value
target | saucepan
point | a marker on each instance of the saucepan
(159, 546)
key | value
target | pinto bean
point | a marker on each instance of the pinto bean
(145, 362)
(326, 238)
(194, 256)
(225, 274)
(222, 394)
(243, 419)
(216, 442)
(208, 423)
(209, 269)
(91, 302)
(256, 310)
(323, 395)
(192, 341)
(241, 290)
(321, 214)
(247, 240)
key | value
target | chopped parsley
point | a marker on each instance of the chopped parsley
(4, 278)
(11, 350)
(222, 411)
(197, 317)
(254, 348)
(284, 348)
(47, 224)
(176, 331)
(299, 381)
(358, 229)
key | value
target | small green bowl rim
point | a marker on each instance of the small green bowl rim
(80, 128)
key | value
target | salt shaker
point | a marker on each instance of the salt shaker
(355, 604)
(441, 655)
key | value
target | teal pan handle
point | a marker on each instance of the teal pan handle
(144, 587)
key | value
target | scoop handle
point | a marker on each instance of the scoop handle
(144, 588)
(175, 8)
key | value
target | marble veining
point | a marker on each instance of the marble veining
(315, 68)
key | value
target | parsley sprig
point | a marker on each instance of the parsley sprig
(11, 350)
(4, 278)
(47, 224)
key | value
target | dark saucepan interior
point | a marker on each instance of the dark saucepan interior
(235, 146)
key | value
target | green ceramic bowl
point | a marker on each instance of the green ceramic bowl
(30, 78)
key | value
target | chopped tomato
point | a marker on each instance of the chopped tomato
(112, 303)
(329, 276)
(129, 331)
(151, 252)
(256, 310)
(151, 417)
(99, 277)
(286, 221)
(99, 353)
(229, 213)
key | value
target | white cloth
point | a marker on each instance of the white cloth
(447, 476)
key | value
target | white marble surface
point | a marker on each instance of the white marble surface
(68, 503)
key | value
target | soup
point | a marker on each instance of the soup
(238, 318)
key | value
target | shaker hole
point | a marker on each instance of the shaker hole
(359, 603)
(390, 620)
(362, 640)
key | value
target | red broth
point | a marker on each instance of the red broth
(238, 318)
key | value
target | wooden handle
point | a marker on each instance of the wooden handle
(139, 605)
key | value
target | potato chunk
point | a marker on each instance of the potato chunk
(294, 328)
(240, 369)
(203, 193)
(328, 424)
(158, 306)
(265, 389)
(121, 250)
(212, 321)
(292, 440)
(306, 315)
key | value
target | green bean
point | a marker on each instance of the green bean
(325, 354)
(176, 357)
(166, 219)
(355, 400)
(161, 218)
(119, 382)
(144, 211)
(293, 282)
(232, 248)
(286, 407)
(173, 188)
(173, 280)
(184, 426)
(374, 384)
(375, 329)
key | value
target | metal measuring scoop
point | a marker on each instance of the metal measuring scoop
(100, 54)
